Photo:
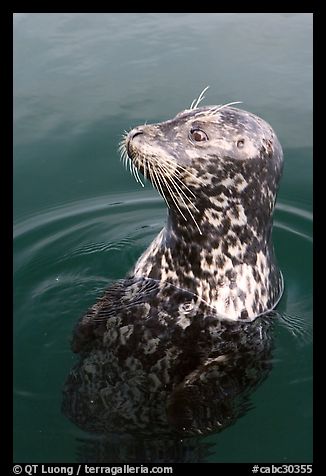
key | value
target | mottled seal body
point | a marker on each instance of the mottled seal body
(179, 344)
(219, 171)
(153, 360)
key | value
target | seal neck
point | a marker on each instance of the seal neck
(235, 271)
(233, 229)
(231, 267)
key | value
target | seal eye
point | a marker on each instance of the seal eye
(240, 143)
(198, 135)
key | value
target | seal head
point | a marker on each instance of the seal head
(218, 169)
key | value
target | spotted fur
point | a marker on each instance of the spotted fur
(178, 345)
(225, 253)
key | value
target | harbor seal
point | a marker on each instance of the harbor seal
(178, 345)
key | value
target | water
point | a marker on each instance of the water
(80, 221)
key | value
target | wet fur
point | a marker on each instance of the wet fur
(178, 345)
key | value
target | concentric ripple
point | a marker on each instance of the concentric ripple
(65, 257)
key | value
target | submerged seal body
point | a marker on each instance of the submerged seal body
(179, 344)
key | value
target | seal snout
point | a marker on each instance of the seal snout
(137, 131)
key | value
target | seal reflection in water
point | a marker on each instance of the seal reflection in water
(177, 346)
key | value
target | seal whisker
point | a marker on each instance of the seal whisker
(172, 195)
(169, 178)
(159, 187)
(151, 174)
(175, 177)
(145, 169)
(125, 160)
(177, 186)
(169, 181)
(176, 173)
(122, 143)
(157, 184)
(128, 161)
(191, 214)
(134, 171)
(179, 189)
(137, 176)
(121, 148)
(192, 105)
(123, 157)
(215, 110)
(130, 165)
(178, 166)
(197, 101)
(187, 207)
(185, 186)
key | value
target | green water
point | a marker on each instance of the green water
(81, 221)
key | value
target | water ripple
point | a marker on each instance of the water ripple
(295, 220)
(81, 207)
(296, 211)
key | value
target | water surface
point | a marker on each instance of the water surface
(81, 221)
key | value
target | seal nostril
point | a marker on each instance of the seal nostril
(137, 133)
(132, 135)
